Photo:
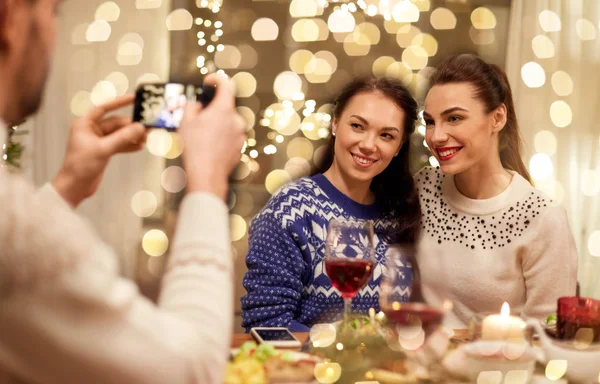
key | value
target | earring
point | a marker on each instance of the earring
(396, 155)
(333, 133)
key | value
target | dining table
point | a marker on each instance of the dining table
(458, 336)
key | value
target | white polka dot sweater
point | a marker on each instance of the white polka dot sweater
(286, 280)
(516, 247)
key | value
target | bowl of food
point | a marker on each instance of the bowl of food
(264, 364)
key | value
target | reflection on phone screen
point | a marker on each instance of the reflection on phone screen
(275, 335)
(162, 105)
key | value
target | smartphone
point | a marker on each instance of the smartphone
(278, 337)
(161, 105)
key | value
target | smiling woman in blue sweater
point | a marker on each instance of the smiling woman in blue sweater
(366, 176)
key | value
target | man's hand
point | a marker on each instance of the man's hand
(93, 140)
(213, 138)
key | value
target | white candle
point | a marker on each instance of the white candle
(502, 326)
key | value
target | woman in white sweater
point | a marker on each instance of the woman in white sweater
(488, 236)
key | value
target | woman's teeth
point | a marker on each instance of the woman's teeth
(362, 160)
(448, 152)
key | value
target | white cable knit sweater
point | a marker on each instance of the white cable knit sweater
(67, 317)
(515, 247)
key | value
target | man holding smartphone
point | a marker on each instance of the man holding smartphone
(65, 314)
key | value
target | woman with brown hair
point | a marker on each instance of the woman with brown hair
(488, 236)
(365, 175)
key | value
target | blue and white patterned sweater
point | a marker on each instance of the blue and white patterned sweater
(286, 281)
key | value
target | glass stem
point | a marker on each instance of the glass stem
(347, 308)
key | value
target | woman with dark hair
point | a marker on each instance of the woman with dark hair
(365, 176)
(488, 236)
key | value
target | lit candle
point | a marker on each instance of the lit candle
(502, 326)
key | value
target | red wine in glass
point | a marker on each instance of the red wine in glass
(414, 314)
(348, 275)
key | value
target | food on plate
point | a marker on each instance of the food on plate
(262, 364)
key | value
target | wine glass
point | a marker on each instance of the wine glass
(410, 321)
(349, 257)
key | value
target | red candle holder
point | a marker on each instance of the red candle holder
(575, 314)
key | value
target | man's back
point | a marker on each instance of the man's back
(67, 317)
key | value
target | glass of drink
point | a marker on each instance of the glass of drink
(410, 320)
(578, 317)
(349, 257)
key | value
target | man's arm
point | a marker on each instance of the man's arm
(68, 317)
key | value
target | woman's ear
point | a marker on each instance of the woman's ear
(499, 116)
(334, 126)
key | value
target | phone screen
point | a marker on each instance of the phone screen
(162, 105)
(275, 335)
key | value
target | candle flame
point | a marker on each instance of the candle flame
(505, 312)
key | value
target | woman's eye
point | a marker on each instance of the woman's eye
(454, 118)
(388, 136)
(428, 122)
(356, 126)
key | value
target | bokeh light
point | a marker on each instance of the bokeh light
(287, 84)
(489, 377)
(549, 21)
(245, 84)
(542, 46)
(427, 42)
(561, 114)
(327, 373)
(482, 36)
(415, 57)
(155, 242)
(406, 34)
(237, 226)
(304, 8)
(173, 179)
(594, 244)
(276, 179)
(228, 58)
(129, 53)
(442, 18)
(159, 142)
(299, 60)
(341, 21)
(104, 91)
(405, 12)
(265, 29)
(81, 103)
(585, 29)
(556, 369)
(179, 20)
(176, 146)
(300, 147)
(148, 4)
(144, 203)
(483, 18)
(541, 166)
(562, 83)
(533, 74)
(545, 142)
(98, 31)
(297, 167)
(108, 11)
(120, 81)
(249, 55)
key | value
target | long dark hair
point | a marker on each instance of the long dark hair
(491, 88)
(394, 188)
